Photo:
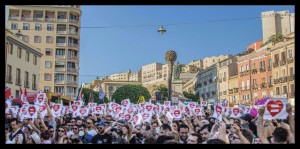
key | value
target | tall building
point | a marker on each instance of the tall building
(283, 55)
(197, 63)
(151, 73)
(209, 61)
(120, 76)
(55, 30)
(22, 62)
(136, 76)
(274, 23)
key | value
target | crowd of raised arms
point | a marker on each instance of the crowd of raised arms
(160, 129)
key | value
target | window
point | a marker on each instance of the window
(8, 74)
(243, 85)
(26, 83)
(284, 90)
(276, 58)
(47, 64)
(34, 59)
(27, 57)
(48, 51)
(277, 91)
(61, 40)
(283, 72)
(19, 54)
(263, 80)
(47, 88)
(262, 64)
(10, 48)
(61, 17)
(17, 93)
(254, 82)
(253, 66)
(247, 67)
(38, 27)
(37, 39)
(25, 38)
(49, 39)
(14, 26)
(277, 76)
(58, 89)
(18, 77)
(47, 77)
(26, 26)
(49, 27)
(59, 77)
(270, 64)
(248, 84)
(290, 53)
(271, 81)
(283, 56)
(291, 71)
(34, 86)
(60, 52)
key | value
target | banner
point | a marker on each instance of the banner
(275, 109)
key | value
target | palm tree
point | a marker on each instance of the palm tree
(163, 89)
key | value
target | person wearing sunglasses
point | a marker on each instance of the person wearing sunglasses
(60, 135)
(102, 137)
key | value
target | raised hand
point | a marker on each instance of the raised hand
(261, 110)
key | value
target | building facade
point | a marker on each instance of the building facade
(120, 76)
(151, 72)
(283, 56)
(206, 87)
(197, 63)
(135, 76)
(55, 30)
(209, 61)
(233, 90)
(275, 23)
(22, 65)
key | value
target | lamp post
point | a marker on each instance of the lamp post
(170, 58)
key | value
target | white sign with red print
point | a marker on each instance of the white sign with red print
(130, 110)
(167, 103)
(118, 110)
(188, 111)
(40, 98)
(141, 106)
(78, 103)
(149, 108)
(125, 103)
(177, 114)
(74, 108)
(83, 112)
(32, 111)
(43, 109)
(169, 117)
(98, 110)
(275, 109)
(173, 108)
(147, 116)
(204, 103)
(112, 105)
(103, 106)
(192, 105)
(92, 105)
(56, 110)
(67, 109)
(137, 120)
(243, 108)
(14, 110)
(235, 113)
(7, 106)
(198, 106)
(156, 108)
(166, 109)
(181, 105)
(226, 110)
(198, 111)
(128, 116)
(218, 108)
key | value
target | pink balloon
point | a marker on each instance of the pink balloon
(253, 112)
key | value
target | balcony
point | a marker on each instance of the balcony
(235, 90)
(254, 87)
(73, 45)
(71, 82)
(59, 82)
(50, 19)
(220, 80)
(254, 71)
(74, 21)
(290, 60)
(8, 78)
(283, 79)
(18, 81)
(224, 92)
(230, 91)
(241, 73)
(60, 69)
(282, 63)
(263, 85)
(224, 79)
(38, 19)
(246, 72)
(262, 69)
(61, 20)
(61, 44)
(13, 18)
(276, 81)
(270, 85)
(291, 77)
(275, 64)
(26, 84)
(34, 86)
(63, 32)
(74, 70)
(75, 58)
(26, 19)
(72, 32)
(60, 56)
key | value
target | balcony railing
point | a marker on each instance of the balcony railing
(224, 92)
(275, 64)
(283, 79)
(60, 56)
(50, 19)
(236, 90)
(59, 82)
(241, 73)
(38, 19)
(13, 18)
(26, 84)
(34, 86)
(276, 81)
(73, 58)
(213, 92)
(290, 60)
(230, 91)
(61, 20)
(8, 78)
(202, 95)
(291, 77)
(73, 45)
(18, 81)
(262, 69)
(263, 85)
(61, 32)
(254, 71)
(71, 32)
(60, 69)
(61, 44)
(72, 70)
(26, 19)
(282, 63)
(246, 72)
(74, 21)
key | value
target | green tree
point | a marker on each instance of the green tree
(191, 96)
(132, 92)
(163, 89)
(86, 96)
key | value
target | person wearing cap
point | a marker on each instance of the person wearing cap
(246, 119)
(34, 138)
(102, 137)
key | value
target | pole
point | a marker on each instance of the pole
(170, 81)
(250, 80)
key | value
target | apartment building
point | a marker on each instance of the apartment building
(22, 62)
(55, 30)
(197, 63)
(120, 76)
(151, 72)
(136, 76)
(209, 61)
(233, 90)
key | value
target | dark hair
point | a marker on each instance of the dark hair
(155, 122)
(14, 119)
(29, 129)
(150, 140)
(45, 135)
(215, 141)
(183, 126)
(280, 135)
(248, 134)
(122, 141)
(166, 126)
(199, 138)
(171, 142)
(163, 138)
(206, 126)
(50, 126)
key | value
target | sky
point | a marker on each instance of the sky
(110, 49)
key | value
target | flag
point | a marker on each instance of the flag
(7, 92)
(25, 95)
(101, 93)
(141, 99)
(79, 95)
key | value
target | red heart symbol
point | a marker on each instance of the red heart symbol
(218, 109)
(6, 105)
(56, 107)
(23, 110)
(162, 108)
(176, 113)
(82, 111)
(113, 105)
(166, 103)
(98, 108)
(274, 107)
(236, 111)
(145, 116)
(31, 110)
(136, 118)
(149, 107)
(192, 105)
(74, 107)
(225, 109)
(41, 97)
(92, 105)
(124, 103)
(154, 108)
(67, 108)
(118, 109)
(204, 103)
(42, 108)
(130, 110)
(197, 110)
(141, 111)
(128, 116)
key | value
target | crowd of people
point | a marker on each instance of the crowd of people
(105, 129)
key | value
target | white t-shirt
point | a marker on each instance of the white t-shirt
(92, 132)
(69, 133)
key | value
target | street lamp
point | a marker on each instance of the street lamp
(170, 58)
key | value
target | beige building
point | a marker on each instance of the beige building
(55, 30)
(135, 76)
(120, 76)
(209, 61)
(189, 69)
(283, 56)
(281, 22)
(22, 65)
(233, 89)
(197, 63)
(226, 69)
(165, 73)
(151, 72)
